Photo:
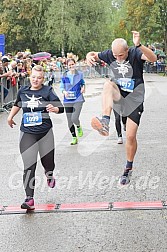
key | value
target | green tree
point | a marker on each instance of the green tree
(78, 26)
(150, 18)
(24, 23)
(161, 19)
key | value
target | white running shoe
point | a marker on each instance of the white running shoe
(120, 140)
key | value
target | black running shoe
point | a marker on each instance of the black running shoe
(125, 178)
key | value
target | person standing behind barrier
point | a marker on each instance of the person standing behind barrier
(6, 72)
(36, 101)
(5, 90)
(73, 86)
(21, 74)
(127, 87)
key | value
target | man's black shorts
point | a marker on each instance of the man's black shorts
(130, 106)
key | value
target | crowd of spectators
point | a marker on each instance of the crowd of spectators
(160, 65)
(19, 66)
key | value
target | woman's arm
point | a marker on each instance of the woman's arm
(12, 113)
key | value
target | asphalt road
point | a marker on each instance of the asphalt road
(89, 172)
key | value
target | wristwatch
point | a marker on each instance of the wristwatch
(138, 45)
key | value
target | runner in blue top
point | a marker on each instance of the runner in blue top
(125, 86)
(36, 102)
(73, 86)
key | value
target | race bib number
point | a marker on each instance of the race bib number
(126, 84)
(71, 95)
(32, 119)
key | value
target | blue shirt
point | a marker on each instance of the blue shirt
(72, 83)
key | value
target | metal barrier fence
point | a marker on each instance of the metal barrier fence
(97, 71)
(155, 68)
(8, 94)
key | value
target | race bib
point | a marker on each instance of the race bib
(126, 84)
(71, 95)
(32, 119)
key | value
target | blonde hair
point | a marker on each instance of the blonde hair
(38, 68)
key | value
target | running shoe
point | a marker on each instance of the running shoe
(28, 204)
(100, 125)
(80, 131)
(120, 140)
(125, 178)
(51, 182)
(50, 179)
(74, 141)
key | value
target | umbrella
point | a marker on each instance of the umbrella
(41, 56)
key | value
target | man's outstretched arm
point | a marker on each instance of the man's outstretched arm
(148, 54)
(92, 58)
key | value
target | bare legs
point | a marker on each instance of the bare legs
(131, 141)
(110, 93)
